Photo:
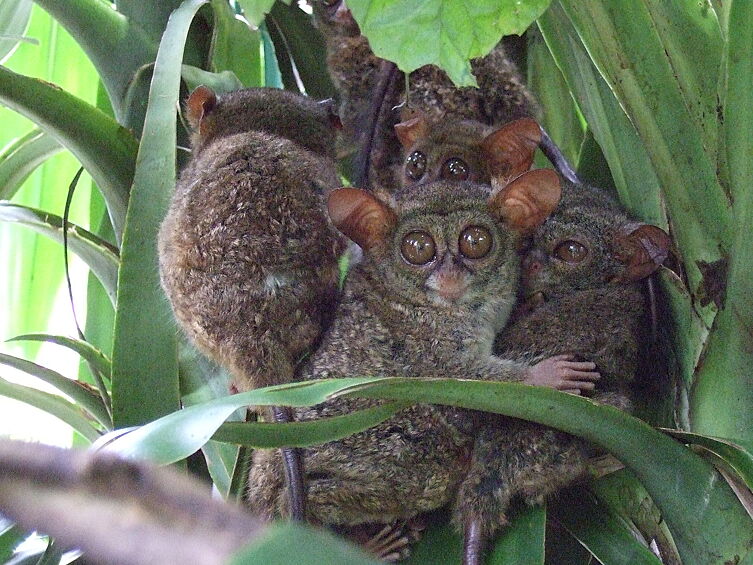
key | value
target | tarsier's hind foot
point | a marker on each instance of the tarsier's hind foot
(390, 543)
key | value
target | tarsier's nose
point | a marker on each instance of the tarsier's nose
(532, 263)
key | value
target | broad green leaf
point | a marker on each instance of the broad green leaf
(99, 255)
(85, 398)
(441, 32)
(225, 81)
(19, 159)
(630, 165)
(304, 46)
(272, 76)
(739, 457)
(640, 65)
(235, 46)
(114, 43)
(723, 393)
(144, 357)
(602, 532)
(303, 434)
(83, 348)
(174, 437)
(14, 18)
(52, 404)
(439, 538)
(708, 523)
(255, 10)
(82, 129)
(522, 539)
(220, 459)
(559, 113)
(292, 543)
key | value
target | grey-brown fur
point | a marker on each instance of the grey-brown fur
(390, 324)
(592, 311)
(248, 258)
(501, 95)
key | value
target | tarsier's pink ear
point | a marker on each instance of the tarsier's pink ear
(527, 201)
(410, 130)
(200, 102)
(643, 248)
(360, 216)
(509, 150)
(334, 118)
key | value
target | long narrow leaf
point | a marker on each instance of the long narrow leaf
(82, 129)
(10, 537)
(144, 358)
(100, 256)
(522, 540)
(86, 350)
(52, 404)
(19, 160)
(87, 399)
(235, 46)
(14, 17)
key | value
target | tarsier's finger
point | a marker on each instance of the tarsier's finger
(574, 391)
(562, 357)
(580, 375)
(581, 385)
(579, 365)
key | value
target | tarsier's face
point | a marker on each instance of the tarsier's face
(334, 15)
(449, 258)
(427, 162)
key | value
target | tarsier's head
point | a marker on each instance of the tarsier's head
(293, 116)
(459, 150)
(446, 244)
(333, 16)
(587, 243)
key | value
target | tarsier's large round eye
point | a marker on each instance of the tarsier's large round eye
(418, 248)
(475, 242)
(415, 165)
(571, 251)
(455, 169)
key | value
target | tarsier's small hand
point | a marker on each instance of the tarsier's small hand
(562, 373)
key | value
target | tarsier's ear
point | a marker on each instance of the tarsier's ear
(200, 102)
(643, 248)
(360, 216)
(527, 201)
(410, 130)
(509, 150)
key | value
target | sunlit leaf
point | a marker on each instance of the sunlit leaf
(10, 537)
(14, 17)
(441, 32)
(99, 255)
(83, 397)
(226, 81)
(255, 10)
(19, 159)
(52, 404)
(235, 47)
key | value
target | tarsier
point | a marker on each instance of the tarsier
(438, 279)
(372, 89)
(583, 284)
(247, 256)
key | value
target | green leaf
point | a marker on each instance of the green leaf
(19, 159)
(52, 404)
(441, 32)
(226, 81)
(255, 10)
(10, 537)
(439, 538)
(522, 538)
(272, 75)
(99, 255)
(735, 455)
(303, 434)
(638, 52)
(708, 523)
(85, 398)
(114, 43)
(304, 46)
(723, 391)
(14, 18)
(235, 46)
(83, 348)
(602, 532)
(82, 129)
(181, 433)
(144, 357)
(292, 543)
